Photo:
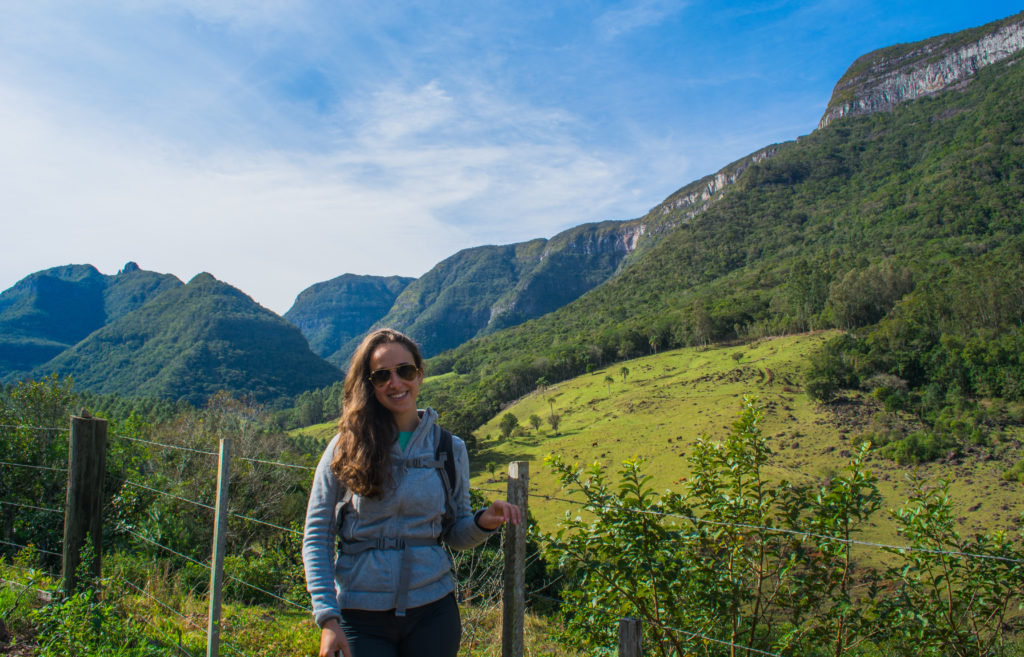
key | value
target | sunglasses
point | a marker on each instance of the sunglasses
(405, 371)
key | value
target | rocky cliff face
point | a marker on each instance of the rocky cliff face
(570, 264)
(697, 196)
(881, 80)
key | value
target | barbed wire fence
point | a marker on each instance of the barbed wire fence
(484, 584)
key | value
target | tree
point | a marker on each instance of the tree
(33, 418)
(624, 371)
(702, 326)
(864, 296)
(608, 380)
(536, 422)
(508, 424)
(554, 419)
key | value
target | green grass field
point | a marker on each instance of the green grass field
(669, 399)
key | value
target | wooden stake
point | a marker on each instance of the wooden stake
(83, 509)
(514, 593)
(219, 537)
(630, 638)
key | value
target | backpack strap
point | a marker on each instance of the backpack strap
(444, 452)
(339, 509)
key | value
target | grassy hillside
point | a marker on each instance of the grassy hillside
(669, 399)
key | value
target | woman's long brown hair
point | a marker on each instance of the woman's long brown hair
(362, 457)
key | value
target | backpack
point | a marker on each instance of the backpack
(443, 462)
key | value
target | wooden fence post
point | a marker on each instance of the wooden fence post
(83, 509)
(514, 591)
(630, 638)
(219, 535)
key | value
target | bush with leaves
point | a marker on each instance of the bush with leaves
(34, 421)
(728, 562)
(734, 562)
(954, 595)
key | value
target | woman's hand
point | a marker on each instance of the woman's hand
(498, 513)
(332, 640)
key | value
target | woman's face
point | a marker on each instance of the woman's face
(397, 395)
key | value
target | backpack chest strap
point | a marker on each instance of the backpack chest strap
(385, 543)
(405, 572)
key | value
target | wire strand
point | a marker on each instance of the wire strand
(263, 522)
(33, 548)
(804, 535)
(33, 467)
(179, 447)
(27, 586)
(154, 598)
(179, 647)
(165, 493)
(30, 569)
(256, 588)
(28, 426)
(277, 463)
(187, 558)
(29, 506)
(228, 644)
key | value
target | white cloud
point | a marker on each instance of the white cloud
(427, 174)
(270, 224)
(394, 114)
(636, 14)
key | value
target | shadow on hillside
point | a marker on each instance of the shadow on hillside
(519, 448)
(481, 464)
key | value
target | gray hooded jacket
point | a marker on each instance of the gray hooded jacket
(411, 510)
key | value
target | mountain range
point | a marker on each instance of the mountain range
(49, 311)
(915, 170)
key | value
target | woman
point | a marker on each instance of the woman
(380, 490)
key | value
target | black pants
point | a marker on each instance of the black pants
(433, 630)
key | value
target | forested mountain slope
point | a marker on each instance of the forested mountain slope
(333, 312)
(191, 342)
(48, 311)
(487, 288)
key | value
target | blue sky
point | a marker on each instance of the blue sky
(278, 143)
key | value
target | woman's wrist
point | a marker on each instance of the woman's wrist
(476, 519)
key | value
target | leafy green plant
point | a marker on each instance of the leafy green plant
(954, 595)
(93, 621)
(722, 565)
